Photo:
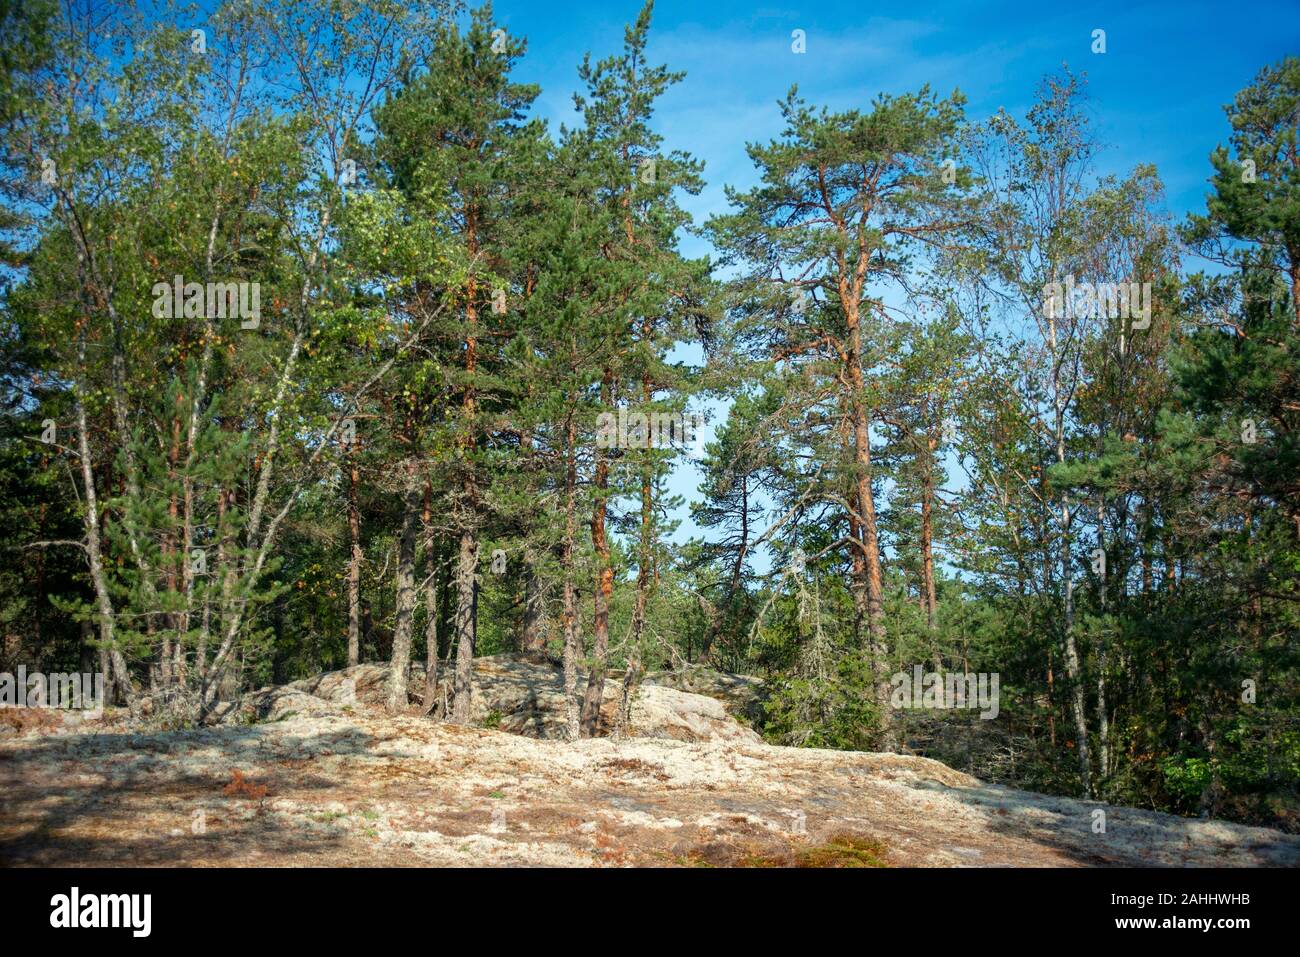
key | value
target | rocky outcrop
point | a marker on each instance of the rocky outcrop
(742, 695)
(279, 704)
(516, 695)
(363, 787)
(318, 773)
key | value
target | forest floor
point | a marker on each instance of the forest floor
(365, 788)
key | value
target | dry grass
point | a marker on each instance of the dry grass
(25, 719)
(240, 786)
(843, 850)
(634, 766)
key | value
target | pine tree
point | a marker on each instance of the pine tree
(845, 198)
(455, 130)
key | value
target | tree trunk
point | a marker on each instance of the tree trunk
(354, 568)
(532, 640)
(644, 581)
(863, 499)
(1146, 548)
(927, 538)
(1103, 716)
(164, 659)
(172, 651)
(466, 570)
(595, 695)
(728, 605)
(430, 611)
(1051, 703)
(405, 618)
(467, 567)
(187, 496)
(110, 687)
(94, 556)
(1073, 669)
(571, 640)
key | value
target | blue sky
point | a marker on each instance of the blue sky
(1155, 96)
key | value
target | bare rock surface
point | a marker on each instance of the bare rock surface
(741, 695)
(519, 696)
(360, 787)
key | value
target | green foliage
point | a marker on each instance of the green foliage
(918, 463)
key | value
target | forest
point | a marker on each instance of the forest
(320, 347)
